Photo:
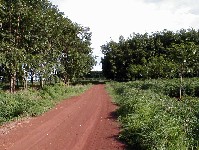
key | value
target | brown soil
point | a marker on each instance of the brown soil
(85, 122)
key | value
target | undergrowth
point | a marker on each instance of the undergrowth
(152, 118)
(34, 102)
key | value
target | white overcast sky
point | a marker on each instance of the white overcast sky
(108, 19)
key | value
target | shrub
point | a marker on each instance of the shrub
(151, 119)
(33, 102)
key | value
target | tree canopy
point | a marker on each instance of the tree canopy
(38, 40)
(164, 54)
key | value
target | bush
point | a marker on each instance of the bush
(151, 119)
(33, 102)
(170, 87)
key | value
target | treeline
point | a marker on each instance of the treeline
(164, 54)
(38, 41)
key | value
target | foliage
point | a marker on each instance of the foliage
(37, 40)
(169, 87)
(152, 120)
(33, 102)
(162, 54)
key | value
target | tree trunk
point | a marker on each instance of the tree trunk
(32, 79)
(41, 82)
(56, 79)
(181, 73)
(65, 80)
(181, 87)
(32, 82)
(25, 83)
(12, 83)
(17, 83)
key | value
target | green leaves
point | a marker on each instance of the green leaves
(76, 58)
(36, 34)
(158, 55)
(34, 102)
(152, 120)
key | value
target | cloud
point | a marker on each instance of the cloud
(175, 5)
(112, 18)
(153, 1)
(194, 10)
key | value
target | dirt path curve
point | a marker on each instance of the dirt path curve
(85, 122)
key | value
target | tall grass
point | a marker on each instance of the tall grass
(170, 87)
(152, 119)
(34, 102)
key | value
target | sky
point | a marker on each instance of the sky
(109, 19)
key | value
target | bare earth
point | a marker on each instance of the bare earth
(85, 122)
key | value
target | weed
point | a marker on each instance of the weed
(34, 102)
(152, 119)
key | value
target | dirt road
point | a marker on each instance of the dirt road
(85, 122)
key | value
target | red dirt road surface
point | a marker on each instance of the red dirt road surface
(84, 122)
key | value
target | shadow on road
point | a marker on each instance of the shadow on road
(113, 116)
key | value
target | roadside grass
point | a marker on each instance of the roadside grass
(170, 87)
(152, 118)
(34, 102)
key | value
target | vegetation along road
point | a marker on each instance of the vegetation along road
(85, 122)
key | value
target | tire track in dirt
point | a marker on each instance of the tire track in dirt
(85, 122)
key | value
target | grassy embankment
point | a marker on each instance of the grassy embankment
(34, 102)
(152, 116)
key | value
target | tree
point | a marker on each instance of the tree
(124, 59)
(183, 54)
(36, 39)
(76, 58)
(11, 47)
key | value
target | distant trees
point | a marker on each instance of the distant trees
(162, 54)
(36, 39)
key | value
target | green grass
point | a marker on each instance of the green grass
(170, 87)
(34, 102)
(152, 119)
